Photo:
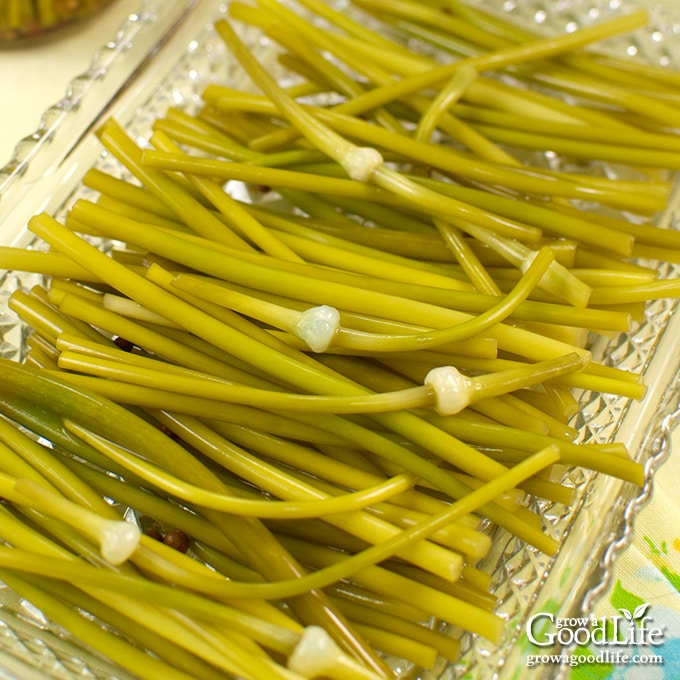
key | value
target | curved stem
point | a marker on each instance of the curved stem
(241, 506)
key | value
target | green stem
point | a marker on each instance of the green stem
(241, 220)
(129, 430)
(273, 637)
(123, 653)
(241, 506)
(249, 270)
(357, 161)
(203, 385)
(181, 202)
(118, 539)
(349, 338)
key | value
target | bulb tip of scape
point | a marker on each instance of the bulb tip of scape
(317, 654)
(119, 539)
(361, 161)
(318, 326)
(451, 389)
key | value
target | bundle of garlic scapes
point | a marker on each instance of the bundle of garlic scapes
(324, 396)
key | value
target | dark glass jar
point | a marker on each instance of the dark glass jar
(30, 19)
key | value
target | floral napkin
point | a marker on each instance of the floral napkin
(644, 592)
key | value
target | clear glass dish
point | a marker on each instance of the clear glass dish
(165, 54)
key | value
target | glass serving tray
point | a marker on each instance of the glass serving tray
(164, 55)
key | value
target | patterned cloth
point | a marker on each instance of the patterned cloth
(648, 573)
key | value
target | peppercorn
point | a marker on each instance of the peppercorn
(177, 539)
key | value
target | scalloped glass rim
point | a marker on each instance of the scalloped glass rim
(43, 163)
(146, 69)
